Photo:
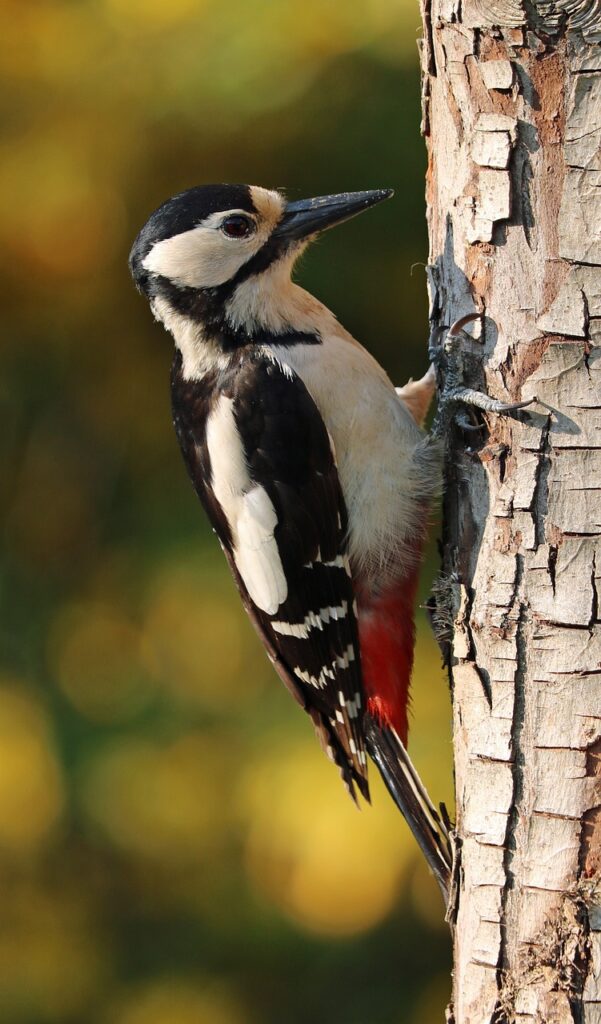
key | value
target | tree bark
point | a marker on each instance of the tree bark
(512, 119)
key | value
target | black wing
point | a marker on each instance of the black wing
(304, 610)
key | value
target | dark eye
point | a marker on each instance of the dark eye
(237, 226)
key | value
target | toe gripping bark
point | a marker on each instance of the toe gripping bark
(447, 358)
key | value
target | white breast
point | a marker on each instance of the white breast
(387, 470)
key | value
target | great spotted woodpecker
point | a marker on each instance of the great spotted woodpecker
(314, 471)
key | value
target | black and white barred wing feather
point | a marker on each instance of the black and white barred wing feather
(262, 462)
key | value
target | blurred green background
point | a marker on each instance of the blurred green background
(174, 848)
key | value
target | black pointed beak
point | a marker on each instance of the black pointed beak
(308, 216)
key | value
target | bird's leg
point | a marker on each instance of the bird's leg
(447, 357)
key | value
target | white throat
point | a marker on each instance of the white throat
(199, 355)
(271, 301)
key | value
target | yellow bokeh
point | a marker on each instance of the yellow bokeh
(153, 15)
(76, 220)
(160, 801)
(50, 954)
(202, 646)
(334, 869)
(175, 1001)
(430, 745)
(100, 661)
(426, 898)
(31, 789)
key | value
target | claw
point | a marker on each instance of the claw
(456, 331)
(453, 394)
(467, 425)
(458, 326)
(481, 401)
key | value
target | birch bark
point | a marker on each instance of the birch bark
(512, 119)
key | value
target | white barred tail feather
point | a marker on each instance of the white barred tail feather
(409, 794)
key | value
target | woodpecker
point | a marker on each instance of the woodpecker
(313, 469)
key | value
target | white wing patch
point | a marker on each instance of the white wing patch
(256, 551)
(248, 510)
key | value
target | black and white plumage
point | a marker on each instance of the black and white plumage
(261, 461)
(312, 469)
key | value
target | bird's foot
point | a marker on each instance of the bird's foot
(454, 394)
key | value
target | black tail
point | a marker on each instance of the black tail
(409, 794)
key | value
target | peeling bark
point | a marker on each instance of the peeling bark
(512, 119)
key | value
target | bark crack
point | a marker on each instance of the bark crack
(504, 1003)
(552, 565)
(540, 496)
(590, 837)
(595, 601)
(472, 657)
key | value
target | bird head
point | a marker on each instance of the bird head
(198, 252)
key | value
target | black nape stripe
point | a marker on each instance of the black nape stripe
(287, 338)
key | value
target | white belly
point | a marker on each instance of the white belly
(387, 470)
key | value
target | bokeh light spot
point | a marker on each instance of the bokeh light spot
(163, 802)
(333, 869)
(52, 963)
(178, 1001)
(200, 640)
(76, 222)
(100, 662)
(31, 790)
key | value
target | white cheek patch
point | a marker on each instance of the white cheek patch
(200, 258)
(248, 509)
(204, 257)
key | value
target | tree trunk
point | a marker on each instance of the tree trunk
(512, 119)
